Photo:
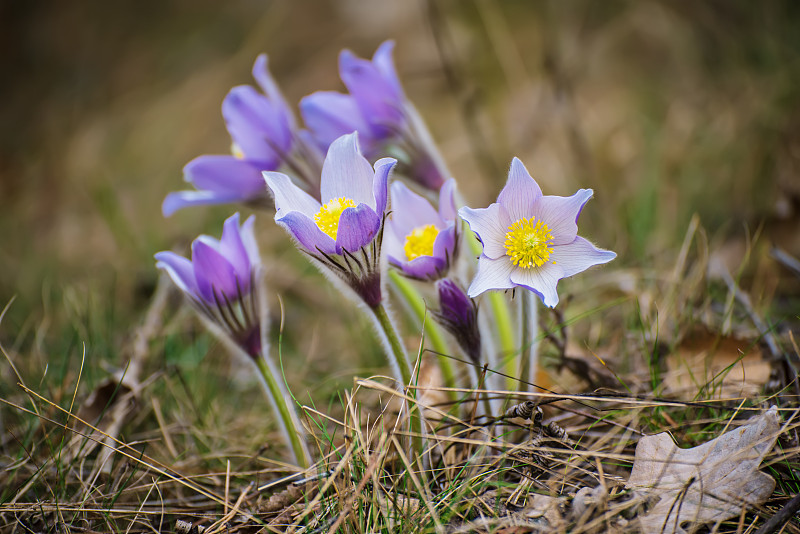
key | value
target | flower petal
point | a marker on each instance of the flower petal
(330, 115)
(383, 61)
(346, 173)
(410, 211)
(184, 199)
(423, 267)
(492, 274)
(267, 83)
(226, 175)
(233, 249)
(257, 125)
(248, 236)
(180, 270)
(447, 200)
(520, 192)
(213, 272)
(541, 280)
(561, 214)
(380, 183)
(487, 223)
(445, 243)
(578, 256)
(307, 233)
(288, 197)
(357, 228)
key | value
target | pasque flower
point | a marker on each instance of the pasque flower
(530, 240)
(262, 128)
(421, 241)
(343, 232)
(220, 282)
(377, 108)
(458, 314)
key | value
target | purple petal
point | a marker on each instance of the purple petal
(257, 125)
(380, 183)
(180, 270)
(410, 211)
(232, 248)
(578, 256)
(541, 280)
(226, 175)
(184, 199)
(346, 173)
(376, 95)
(492, 274)
(248, 236)
(447, 200)
(385, 64)
(488, 224)
(330, 115)
(357, 228)
(520, 192)
(307, 233)
(424, 267)
(267, 83)
(288, 197)
(213, 272)
(445, 243)
(561, 214)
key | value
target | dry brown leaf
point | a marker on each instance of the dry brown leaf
(710, 482)
(703, 357)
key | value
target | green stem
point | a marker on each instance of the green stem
(293, 433)
(399, 359)
(529, 352)
(433, 332)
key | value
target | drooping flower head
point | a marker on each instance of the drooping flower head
(262, 128)
(458, 314)
(221, 281)
(344, 231)
(376, 107)
(421, 241)
(530, 240)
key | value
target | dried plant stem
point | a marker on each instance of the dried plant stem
(529, 351)
(293, 432)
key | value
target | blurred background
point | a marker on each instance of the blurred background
(665, 108)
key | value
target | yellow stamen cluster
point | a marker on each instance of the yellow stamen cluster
(327, 218)
(420, 242)
(528, 243)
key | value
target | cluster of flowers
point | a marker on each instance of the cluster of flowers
(346, 216)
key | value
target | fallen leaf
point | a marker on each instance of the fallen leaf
(710, 482)
(736, 366)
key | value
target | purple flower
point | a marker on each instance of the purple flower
(263, 131)
(421, 241)
(377, 108)
(530, 240)
(220, 281)
(458, 314)
(344, 232)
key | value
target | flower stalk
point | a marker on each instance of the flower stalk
(529, 352)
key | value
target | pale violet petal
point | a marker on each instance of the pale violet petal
(357, 228)
(447, 200)
(541, 280)
(487, 223)
(214, 273)
(520, 193)
(249, 240)
(307, 233)
(288, 197)
(560, 214)
(578, 256)
(180, 270)
(410, 210)
(380, 184)
(492, 274)
(183, 199)
(346, 173)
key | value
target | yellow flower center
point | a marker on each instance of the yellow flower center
(420, 242)
(327, 218)
(528, 243)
